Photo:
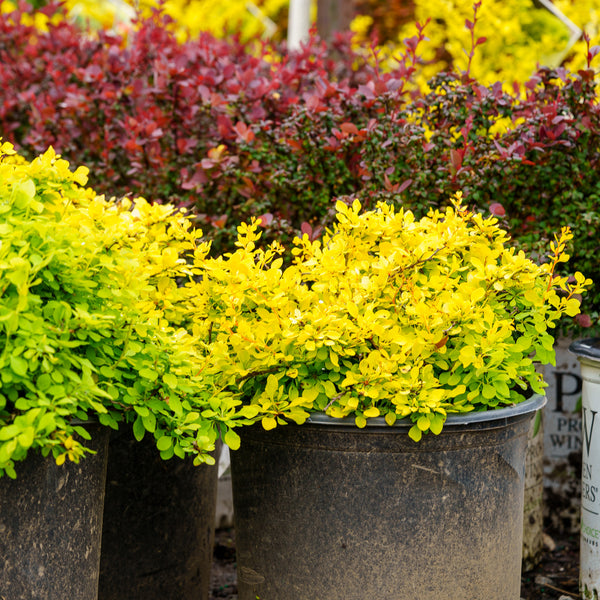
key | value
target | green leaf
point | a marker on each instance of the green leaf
(149, 422)
(138, 429)
(272, 386)
(24, 193)
(175, 405)
(329, 388)
(170, 380)
(191, 417)
(57, 376)
(44, 381)
(19, 365)
(178, 451)
(232, 439)
(25, 439)
(108, 421)
(8, 432)
(454, 379)
(18, 276)
(437, 423)
(141, 410)
(249, 411)
(7, 449)
(164, 443)
(488, 391)
(502, 388)
(47, 422)
(147, 373)
(107, 371)
(167, 454)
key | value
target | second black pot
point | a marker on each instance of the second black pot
(158, 533)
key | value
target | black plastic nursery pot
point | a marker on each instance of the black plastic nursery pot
(51, 526)
(329, 511)
(158, 535)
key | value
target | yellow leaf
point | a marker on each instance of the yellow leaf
(423, 423)
(269, 423)
(572, 307)
(352, 309)
(81, 175)
(390, 418)
(333, 357)
(360, 421)
(415, 433)
(372, 411)
(477, 294)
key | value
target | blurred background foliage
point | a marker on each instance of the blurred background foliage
(519, 34)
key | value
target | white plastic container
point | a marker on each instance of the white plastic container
(588, 353)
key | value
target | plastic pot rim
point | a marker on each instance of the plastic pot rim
(588, 348)
(498, 416)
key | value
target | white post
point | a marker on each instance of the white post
(575, 31)
(298, 23)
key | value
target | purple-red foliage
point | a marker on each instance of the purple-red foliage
(151, 116)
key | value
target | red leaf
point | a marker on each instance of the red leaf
(389, 187)
(184, 145)
(131, 146)
(442, 342)
(244, 132)
(456, 158)
(349, 128)
(497, 209)
(314, 103)
(265, 220)
(295, 144)
(404, 185)
(219, 222)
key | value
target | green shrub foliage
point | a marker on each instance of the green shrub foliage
(98, 318)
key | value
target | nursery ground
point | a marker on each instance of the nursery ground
(554, 578)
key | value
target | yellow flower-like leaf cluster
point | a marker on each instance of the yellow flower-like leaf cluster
(387, 316)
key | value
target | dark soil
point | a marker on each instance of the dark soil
(223, 578)
(557, 574)
(555, 577)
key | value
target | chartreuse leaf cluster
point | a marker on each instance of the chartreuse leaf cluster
(387, 316)
(98, 318)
